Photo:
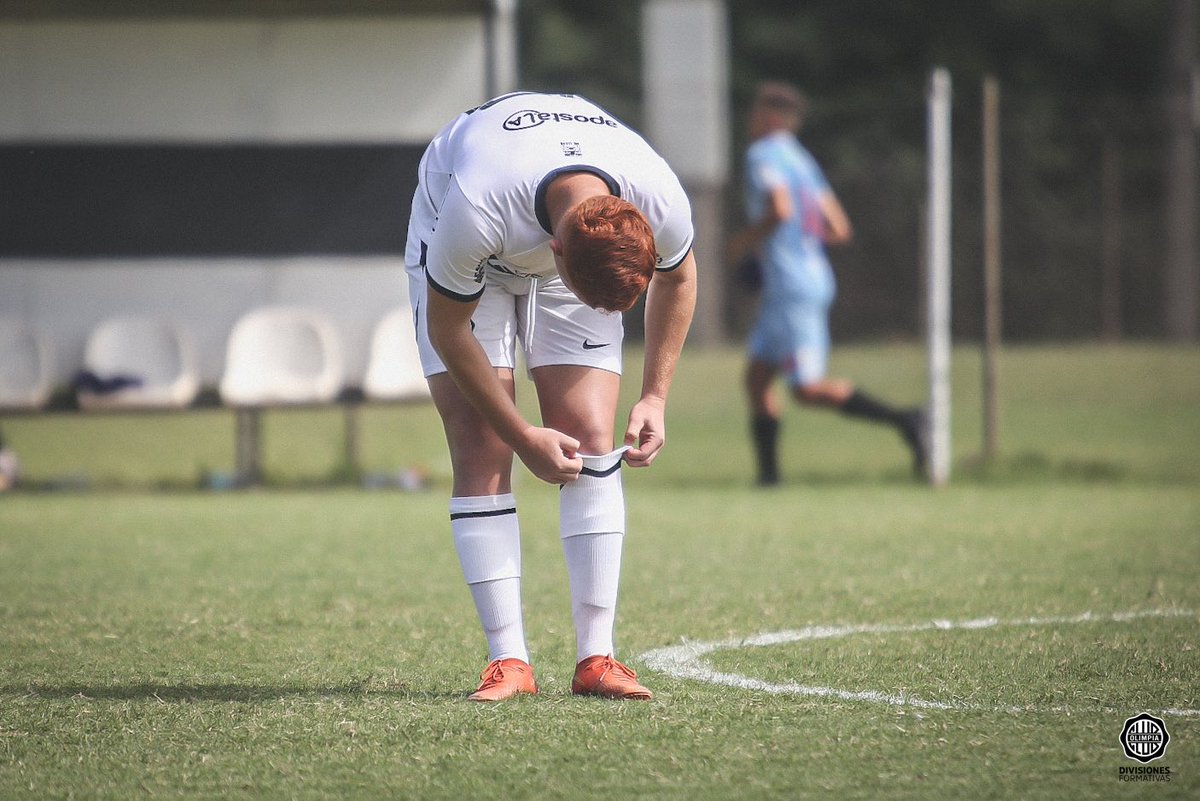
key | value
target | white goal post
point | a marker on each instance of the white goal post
(937, 261)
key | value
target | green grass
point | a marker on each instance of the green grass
(1074, 413)
(317, 643)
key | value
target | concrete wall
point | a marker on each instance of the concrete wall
(686, 78)
(215, 80)
(318, 79)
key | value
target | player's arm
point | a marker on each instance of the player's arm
(550, 455)
(464, 236)
(837, 229)
(670, 303)
(777, 207)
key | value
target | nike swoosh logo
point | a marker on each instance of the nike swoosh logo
(593, 345)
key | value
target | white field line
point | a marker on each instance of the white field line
(686, 661)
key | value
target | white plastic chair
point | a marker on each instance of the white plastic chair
(282, 355)
(154, 352)
(394, 364)
(26, 366)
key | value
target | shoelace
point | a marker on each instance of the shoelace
(613, 666)
(492, 674)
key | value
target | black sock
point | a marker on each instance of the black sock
(862, 405)
(909, 422)
(765, 430)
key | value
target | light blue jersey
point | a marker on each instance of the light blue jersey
(794, 264)
(797, 281)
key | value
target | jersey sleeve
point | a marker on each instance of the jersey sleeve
(763, 172)
(674, 239)
(763, 175)
(811, 178)
(463, 237)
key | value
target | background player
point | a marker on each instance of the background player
(537, 219)
(793, 214)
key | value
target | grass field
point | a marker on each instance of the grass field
(313, 642)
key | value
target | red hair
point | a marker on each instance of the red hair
(608, 255)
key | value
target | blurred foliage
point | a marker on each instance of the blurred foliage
(1073, 73)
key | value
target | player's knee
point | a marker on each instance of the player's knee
(595, 441)
(823, 393)
(481, 461)
(808, 394)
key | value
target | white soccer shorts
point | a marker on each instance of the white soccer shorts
(543, 318)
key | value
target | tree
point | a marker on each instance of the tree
(1075, 75)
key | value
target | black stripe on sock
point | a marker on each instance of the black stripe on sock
(486, 513)
(587, 471)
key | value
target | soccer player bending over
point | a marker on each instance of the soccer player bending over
(537, 220)
(793, 213)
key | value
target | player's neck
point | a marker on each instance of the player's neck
(780, 130)
(568, 190)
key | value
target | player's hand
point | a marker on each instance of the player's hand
(647, 431)
(550, 455)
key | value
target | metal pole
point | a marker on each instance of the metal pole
(992, 284)
(1110, 241)
(685, 74)
(350, 429)
(938, 289)
(247, 446)
(500, 47)
(1181, 279)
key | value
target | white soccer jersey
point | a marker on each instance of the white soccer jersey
(484, 177)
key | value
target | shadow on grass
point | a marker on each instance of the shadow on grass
(1033, 467)
(223, 693)
(791, 479)
(1026, 468)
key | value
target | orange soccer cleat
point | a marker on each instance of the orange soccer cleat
(608, 678)
(504, 678)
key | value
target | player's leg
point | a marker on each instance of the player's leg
(910, 423)
(759, 380)
(487, 537)
(764, 419)
(578, 385)
(483, 514)
(811, 385)
(581, 401)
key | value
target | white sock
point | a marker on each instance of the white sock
(594, 567)
(592, 522)
(488, 540)
(499, 606)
